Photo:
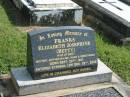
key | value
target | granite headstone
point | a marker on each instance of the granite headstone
(58, 51)
(113, 13)
(60, 58)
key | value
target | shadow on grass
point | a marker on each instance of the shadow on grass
(14, 14)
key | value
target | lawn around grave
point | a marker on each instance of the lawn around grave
(13, 45)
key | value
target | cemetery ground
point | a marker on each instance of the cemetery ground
(13, 45)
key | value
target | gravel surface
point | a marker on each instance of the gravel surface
(107, 92)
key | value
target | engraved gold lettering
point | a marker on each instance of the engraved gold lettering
(68, 33)
(52, 35)
(68, 50)
(41, 61)
(42, 69)
(85, 43)
(41, 38)
(65, 54)
(66, 40)
(58, 66)
(49, 47)
(85, 69)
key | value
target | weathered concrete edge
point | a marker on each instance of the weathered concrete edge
(120, 90)
(82, 89)
(16, 86)
(60, 84)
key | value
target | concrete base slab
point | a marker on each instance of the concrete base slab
(82, 89)
(24, 84)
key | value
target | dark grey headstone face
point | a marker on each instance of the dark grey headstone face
(61, 51)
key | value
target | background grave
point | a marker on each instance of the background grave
(112, 15)
(50, 12)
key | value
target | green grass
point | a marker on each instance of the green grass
(116, 57)
(12, 44)
(13, 49)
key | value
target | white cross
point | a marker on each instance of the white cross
(111, 3)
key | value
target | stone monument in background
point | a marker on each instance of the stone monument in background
(51, 12)
(112, 16)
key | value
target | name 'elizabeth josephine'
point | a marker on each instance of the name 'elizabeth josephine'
(58, 46)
